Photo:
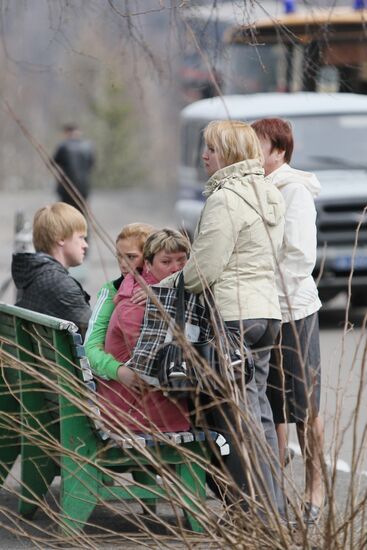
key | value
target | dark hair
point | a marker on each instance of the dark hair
(279, 132)
(70, 127)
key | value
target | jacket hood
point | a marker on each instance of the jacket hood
(246, 179)
(286, 175)
(27, 265)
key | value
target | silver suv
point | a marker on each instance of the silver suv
(330, 133)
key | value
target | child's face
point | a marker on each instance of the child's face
(74, 249)
(165, 263)
(129, 255)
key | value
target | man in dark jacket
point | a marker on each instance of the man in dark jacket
(42, 278)
(75, 158)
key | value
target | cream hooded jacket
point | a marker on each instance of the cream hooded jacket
(239, 232)
(297, 290)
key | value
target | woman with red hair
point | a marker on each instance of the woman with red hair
(295, 377)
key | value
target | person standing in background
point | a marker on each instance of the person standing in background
(295, 377)
(75, 157)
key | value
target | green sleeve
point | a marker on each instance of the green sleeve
(102, 363)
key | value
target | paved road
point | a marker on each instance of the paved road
(342, 379)
(342, 353)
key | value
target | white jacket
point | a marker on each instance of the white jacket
(298, 295)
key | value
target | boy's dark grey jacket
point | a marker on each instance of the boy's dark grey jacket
(46, 286)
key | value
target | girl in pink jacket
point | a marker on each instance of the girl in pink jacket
(128, 402)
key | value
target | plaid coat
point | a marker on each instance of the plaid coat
(158, 329)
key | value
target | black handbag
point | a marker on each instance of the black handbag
(176, 373)
(179, 369)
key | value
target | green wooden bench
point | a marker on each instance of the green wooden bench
(49, 415)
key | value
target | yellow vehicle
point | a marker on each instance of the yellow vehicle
(313, 49)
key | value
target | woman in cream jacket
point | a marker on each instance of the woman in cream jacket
(234, 253)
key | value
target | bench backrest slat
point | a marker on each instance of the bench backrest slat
(39, 318)
(39, 341)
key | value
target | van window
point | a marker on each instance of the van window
(324, 142)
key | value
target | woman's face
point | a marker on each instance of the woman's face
(165, 263)
(273, 158)
(129, 255)
(212, 161)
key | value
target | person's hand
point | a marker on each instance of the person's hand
(139, 297)
(130, 379)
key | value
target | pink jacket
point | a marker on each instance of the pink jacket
(126, 319)
(124, 407)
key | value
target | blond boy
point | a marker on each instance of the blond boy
(42, 278)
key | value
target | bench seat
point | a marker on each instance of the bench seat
(49, 414)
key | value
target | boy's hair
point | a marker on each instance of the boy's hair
(233, 140)
(56, 222)
(279, 132)
(138, 231)
(165, 239)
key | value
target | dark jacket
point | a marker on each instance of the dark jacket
(44, 285)
(75, 157)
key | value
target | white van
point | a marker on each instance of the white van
(330, 133)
